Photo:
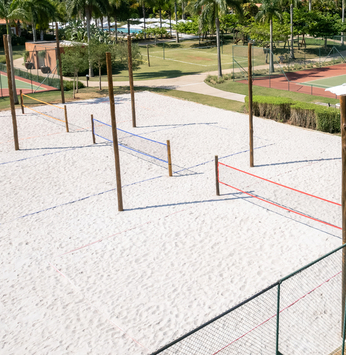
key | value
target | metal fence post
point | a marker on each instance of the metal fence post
(343, 334)
(277, 319)
(233, 60)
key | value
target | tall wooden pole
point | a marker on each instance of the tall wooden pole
(131, 82)
(343, 198)
(59, 60)
(21, 101)
(170, 171)
(66, 120)
(250, 103)
(217, 175)
(114, 131)
(93, 128)
(10, 52)
(10, 89)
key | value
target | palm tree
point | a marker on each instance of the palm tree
(86, 7)
(176, 20)
(38, 10)
(266, 13)
(160, 5)
(210, 10)
(10, 11)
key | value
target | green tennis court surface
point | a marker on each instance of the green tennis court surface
(327, 82)
(20, 84)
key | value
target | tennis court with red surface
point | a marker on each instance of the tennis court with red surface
(27, 86)
(304, 81)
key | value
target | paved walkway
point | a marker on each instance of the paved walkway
(189, 83)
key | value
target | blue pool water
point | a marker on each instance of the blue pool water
(124, 30)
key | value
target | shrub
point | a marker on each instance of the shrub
(68, 85)
(274, 108)
(325, 119)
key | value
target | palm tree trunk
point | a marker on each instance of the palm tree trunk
(271, 63)
(33, 31)
(109, 23)
(182, 10)
(7, 28)
(87, 15)
(176, 20)
(128, 27)
(143, 9)
(309, 5)
(102, 23)
(170, 22)
(217, 23)
(160, 20)
(291, 18)
(100, 87)
(342, 20)
(73, 85)
(116, 29)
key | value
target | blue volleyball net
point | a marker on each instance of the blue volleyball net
(148, 147)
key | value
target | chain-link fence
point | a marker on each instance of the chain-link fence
(287, 73)
(299, 314)
(38, 73)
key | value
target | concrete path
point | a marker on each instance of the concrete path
(189, 83)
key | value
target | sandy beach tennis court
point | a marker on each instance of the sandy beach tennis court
(79, 277)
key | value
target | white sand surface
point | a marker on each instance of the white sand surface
(79, 277)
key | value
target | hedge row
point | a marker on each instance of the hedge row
(325, 119)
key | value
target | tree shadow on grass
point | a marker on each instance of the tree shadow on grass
(162, 74)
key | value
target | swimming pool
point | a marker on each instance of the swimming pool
(124, 30)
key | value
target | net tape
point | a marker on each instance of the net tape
(291, 200)
(145, 146)
(46, 110)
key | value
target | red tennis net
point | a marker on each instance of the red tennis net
(287, 198)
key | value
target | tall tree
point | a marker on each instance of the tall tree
(86, 7)
(38, 11)
(269, 9)
(211, 10)
(98, 55)
(10, 11)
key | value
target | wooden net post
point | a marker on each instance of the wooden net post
(93, 129)
(217, 175)
(343, 199)
(148, 55)
(59, 62)
(66, 121)
(114, 131)
(10, 89)
(131, 82)
(250, 104)
(170, 172)
(21, 101)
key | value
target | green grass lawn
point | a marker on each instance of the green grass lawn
(90, 93)
(239, 88)
(170, 60)
(17, 53)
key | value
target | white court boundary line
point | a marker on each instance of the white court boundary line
(180, 61)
